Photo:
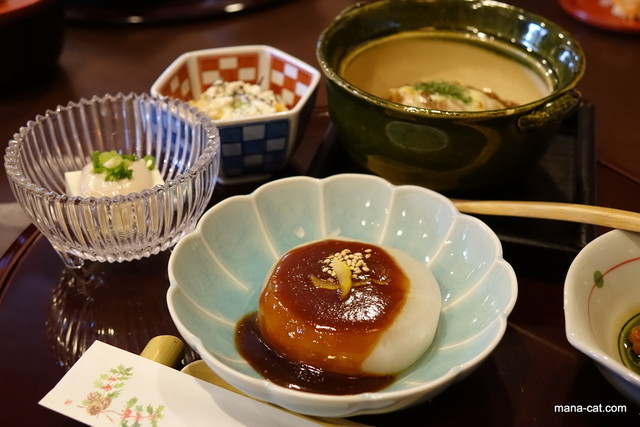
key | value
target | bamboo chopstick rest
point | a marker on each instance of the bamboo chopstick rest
(164, 349)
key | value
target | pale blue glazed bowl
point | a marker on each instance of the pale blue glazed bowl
(217, 273)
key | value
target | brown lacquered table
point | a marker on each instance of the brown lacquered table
(48, 313)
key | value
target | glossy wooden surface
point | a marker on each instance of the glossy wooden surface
(532, 370)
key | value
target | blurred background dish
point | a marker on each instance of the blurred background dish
(602, 305)
(32, 32)
(445, 150)
(156, 11)
(217, 273)
(253, 147)
(186, 148)
(599, 14)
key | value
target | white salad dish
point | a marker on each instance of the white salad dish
(601, 297)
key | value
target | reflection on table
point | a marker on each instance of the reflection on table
(46, 313)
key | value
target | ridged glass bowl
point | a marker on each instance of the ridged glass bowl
(217, 274)
(184, 141)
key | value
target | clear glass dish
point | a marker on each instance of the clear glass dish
(184, 142)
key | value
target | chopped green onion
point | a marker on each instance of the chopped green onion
(451, 90)
(150, 162)
(117, 166)
(110, 159)
(95, 160)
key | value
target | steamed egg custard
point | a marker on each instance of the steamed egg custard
(111, 174)
(341, 317)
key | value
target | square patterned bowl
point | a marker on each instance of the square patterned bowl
(253, 148)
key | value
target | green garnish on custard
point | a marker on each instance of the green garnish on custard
(117, 166)
(450, 90)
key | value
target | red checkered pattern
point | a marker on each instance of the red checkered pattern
(284, 78)
(179, 85)
(288, 80)
(229, 67)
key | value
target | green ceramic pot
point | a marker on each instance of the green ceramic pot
(449, 151)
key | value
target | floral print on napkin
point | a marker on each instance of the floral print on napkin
(106, 397)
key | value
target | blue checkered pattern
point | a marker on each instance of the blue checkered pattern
(254, 149)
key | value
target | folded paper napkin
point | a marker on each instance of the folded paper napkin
(109, 386)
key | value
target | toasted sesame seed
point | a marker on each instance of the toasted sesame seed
(355, 261)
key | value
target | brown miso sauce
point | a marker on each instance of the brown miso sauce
(313, 338)
(297, 375)
(321, 326)
(368, 307)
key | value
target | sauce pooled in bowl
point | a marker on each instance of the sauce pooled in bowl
(341, 317)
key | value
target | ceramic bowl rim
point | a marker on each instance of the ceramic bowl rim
(262, 48)
(334, 77)
(577, 334)
(204, 160)
(356, 402)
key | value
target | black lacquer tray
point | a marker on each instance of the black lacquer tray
(566, 173)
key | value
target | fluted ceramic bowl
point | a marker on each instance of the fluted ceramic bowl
(602, 305)
(186, 147)
(217, 273)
